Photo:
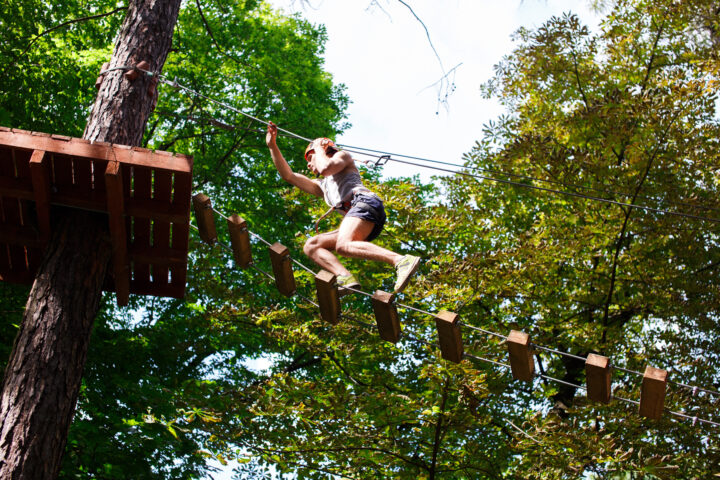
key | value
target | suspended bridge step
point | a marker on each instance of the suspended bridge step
(145, 193)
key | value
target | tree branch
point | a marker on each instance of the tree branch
(438, 430)
(71, 22)
(623, 231)
(222, 50)
(443, 80)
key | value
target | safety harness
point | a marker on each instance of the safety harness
(347, 205)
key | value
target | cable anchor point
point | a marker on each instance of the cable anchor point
(134, 72)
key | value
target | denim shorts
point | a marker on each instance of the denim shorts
(368, 207)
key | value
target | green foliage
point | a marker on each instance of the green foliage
(628, 114)
(50, 59)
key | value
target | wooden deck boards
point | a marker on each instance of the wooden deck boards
(39, 171)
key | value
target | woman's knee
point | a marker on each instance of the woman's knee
(310, 246)
(343, 248)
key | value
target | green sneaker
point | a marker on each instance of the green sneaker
(405, 269)
(344, 282)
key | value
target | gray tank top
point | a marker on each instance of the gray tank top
(340, 187)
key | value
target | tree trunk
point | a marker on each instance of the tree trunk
(43, 376)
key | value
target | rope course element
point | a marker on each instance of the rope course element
(383, 157)
(448, 324)
(520, 348)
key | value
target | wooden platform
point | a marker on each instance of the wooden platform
(145, 193)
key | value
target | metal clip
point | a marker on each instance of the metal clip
(382, 160)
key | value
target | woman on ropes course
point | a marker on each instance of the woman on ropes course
(342, 189)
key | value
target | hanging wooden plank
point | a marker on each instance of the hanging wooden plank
(82, 176)
(597, 372)
(62, 174)
(118, 233)
(240, 240)
(40, 174)
(11, 217)
(451, 347)
(521, 355)
(282, 268)
(386, 316)
(327, 295)
(204, 215)
(652, 392)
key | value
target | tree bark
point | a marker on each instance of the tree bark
(43, 376)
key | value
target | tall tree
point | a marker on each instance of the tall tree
(43, 376)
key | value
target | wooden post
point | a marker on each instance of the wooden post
(240, 240)
(204, 216)
(118, 232)
(652, 392)
(386, 316)
(521, 355)
(597, 372)
(327, 294)
(282, 267)
(451, 347)
(40, 175)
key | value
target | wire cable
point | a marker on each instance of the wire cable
(478, 329)
(389, 157)
(563, 192)
(175, 84)
(694, 389)
(345, 314)
(516, 175)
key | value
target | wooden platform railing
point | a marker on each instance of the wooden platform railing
(145, 194)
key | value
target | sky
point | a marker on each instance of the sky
(381, 53)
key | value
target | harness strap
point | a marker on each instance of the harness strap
(317, 224)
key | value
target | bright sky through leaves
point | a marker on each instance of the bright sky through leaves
(381, 53)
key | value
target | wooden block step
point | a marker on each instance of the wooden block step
(386, 316)
(327, 295)
(240, 240)
(282, 268)
(597, 371)
(448, 328)
(652, 393)
(205, 218)
(521, 356)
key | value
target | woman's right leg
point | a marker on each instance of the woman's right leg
(320, 250)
